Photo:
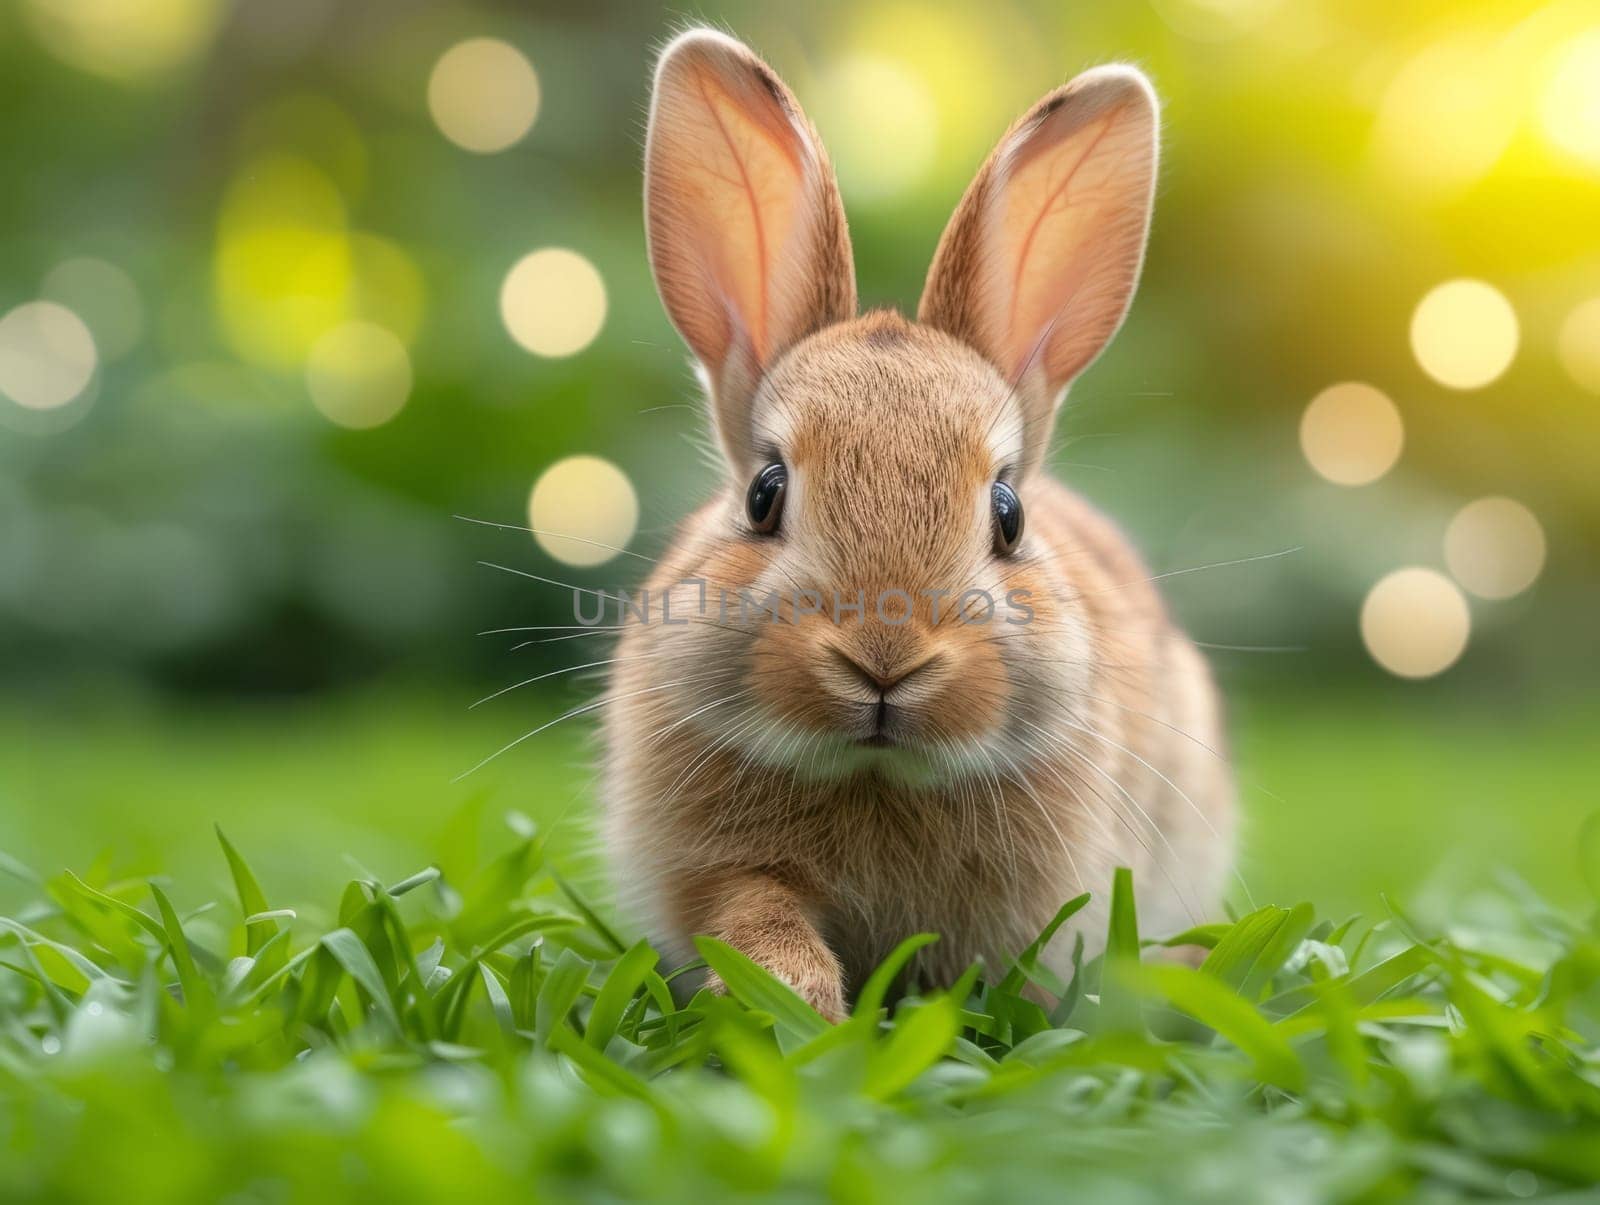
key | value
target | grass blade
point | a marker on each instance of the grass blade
(1026, 966)
(876, 989)
(252, 900)
(352, 954)
(626, 978)
(197, 994)
(1210, 1001)
(920, 1039)
(560, 991)
(756, 987)
(1119, 1001)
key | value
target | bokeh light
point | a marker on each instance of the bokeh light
(1464, 334)
(881, 124)
(47, 355)
(1569, 110)
(359, 375)
(1495, 547)
(484, 95)
(283, 261)
(1446, 117)
(968, 64)
(583, 510)
(124, 39)
(288, 267)
(1579, 344)
(1415, 623)
(1351, 433)
(553, 302)
(105, 297)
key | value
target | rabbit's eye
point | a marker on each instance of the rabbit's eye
(764, 502)
(1007, 518)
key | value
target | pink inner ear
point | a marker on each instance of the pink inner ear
(1070, 224)
(736, 171)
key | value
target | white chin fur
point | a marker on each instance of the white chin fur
(831, 757)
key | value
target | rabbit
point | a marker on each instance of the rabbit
(815, 779)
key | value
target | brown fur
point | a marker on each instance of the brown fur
(1033, 758)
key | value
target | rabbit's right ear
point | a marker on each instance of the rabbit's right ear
(747, 234)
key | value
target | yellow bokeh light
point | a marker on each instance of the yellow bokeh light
(288, 268)
(1570, 107)
(124, 39)
(47, 355)
(1415, 623)
(1464, 334)
(553, 302)
(1495, 547)
(283, 259)
(1447, 116)
(583, 510)
(484, 95)
(881, 125)
(1351, 433)
(359, 375)
(105, 297)
(1579, 344)
(970, 65)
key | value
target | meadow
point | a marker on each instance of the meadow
(187, 1016)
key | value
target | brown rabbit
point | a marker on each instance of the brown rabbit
(814, 778)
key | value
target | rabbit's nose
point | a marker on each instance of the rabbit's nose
(878, 677)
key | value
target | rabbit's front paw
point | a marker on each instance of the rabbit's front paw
(819, 986)
(822, 990)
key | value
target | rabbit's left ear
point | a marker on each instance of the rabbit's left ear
(1039, 263)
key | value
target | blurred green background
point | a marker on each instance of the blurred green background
(268, 324)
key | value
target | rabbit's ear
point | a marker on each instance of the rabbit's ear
(747, 234)
(1038, 264)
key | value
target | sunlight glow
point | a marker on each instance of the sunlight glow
(359, 375)
(47, 355)
(1579, 344)
(484, 95)
(1447, 116)
(881, 124)
(1415, 623)
(1570, 107)
(1495, 547)
(1464, 334)
(553, 302)
(588, 499)
(1351, 433)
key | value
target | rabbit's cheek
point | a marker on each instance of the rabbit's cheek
(975, 700)
(783, 661)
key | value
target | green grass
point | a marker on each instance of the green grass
(484, 1033)
(478, 1029)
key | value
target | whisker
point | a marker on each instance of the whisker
(559, 535)
(576, 711)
